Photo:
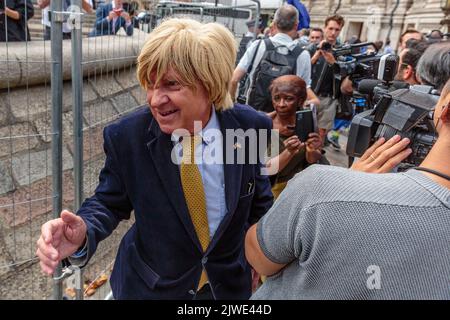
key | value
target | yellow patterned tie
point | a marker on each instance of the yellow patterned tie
(194, 193)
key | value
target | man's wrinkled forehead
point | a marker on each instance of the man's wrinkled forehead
(170, 74)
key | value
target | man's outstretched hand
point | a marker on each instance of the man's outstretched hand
(59, 239)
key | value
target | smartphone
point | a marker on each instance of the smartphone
(305, 123)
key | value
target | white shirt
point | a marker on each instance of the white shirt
(209, 159)
(280, 39)
(46, 22)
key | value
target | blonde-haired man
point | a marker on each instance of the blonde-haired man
(191, 218)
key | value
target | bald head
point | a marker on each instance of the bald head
(286, 18)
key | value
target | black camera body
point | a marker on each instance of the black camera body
(326, 46)
(406, 112)
(383, 83)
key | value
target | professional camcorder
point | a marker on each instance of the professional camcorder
(406, 112)
(398, 109)
(356, 61)
(384, 82)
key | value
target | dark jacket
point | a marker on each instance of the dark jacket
(16, 30)
(160, 257)
(103, 27)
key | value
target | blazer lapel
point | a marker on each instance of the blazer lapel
(160, 147)
(232, 169)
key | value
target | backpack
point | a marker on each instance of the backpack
(272, 66)
(243, 47)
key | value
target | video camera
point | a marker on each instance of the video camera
(406, 112)
(356, 62)
(384, 83)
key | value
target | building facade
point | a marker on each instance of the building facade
(372, 20)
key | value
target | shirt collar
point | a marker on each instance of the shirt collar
(207, 133)
(285, 40)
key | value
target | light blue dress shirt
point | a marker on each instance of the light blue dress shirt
(209, 159)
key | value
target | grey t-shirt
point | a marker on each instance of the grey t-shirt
(352, 235)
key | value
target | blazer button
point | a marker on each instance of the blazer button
(204, 260)
(191, 292)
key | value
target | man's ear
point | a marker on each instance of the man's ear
(408, 73)
(445, 114)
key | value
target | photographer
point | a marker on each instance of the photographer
(409, 58)
(322, 76)
(326, 244)
(288, 96)
(110, 18)
(408, 35)
(433, 67)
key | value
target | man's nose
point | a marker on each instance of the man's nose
(157, 97)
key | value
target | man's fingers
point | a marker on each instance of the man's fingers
(372, 149)
(395, 161)
(389, 153)
(391, 142)
(46, 269)
(47, 249)
(69, 218)
(52, 264)
(48, 229)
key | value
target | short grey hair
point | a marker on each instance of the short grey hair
(286, 17)
(433, 67)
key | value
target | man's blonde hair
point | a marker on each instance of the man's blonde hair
(198, 52)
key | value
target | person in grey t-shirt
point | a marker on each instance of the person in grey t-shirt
(340, 234)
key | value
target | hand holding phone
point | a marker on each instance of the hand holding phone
(293, 145)
(304, 124)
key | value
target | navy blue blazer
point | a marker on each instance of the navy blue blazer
(103, 27)
(160, 257)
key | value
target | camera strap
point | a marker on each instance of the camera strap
(437, 173)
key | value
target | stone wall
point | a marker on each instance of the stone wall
(110, 88)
